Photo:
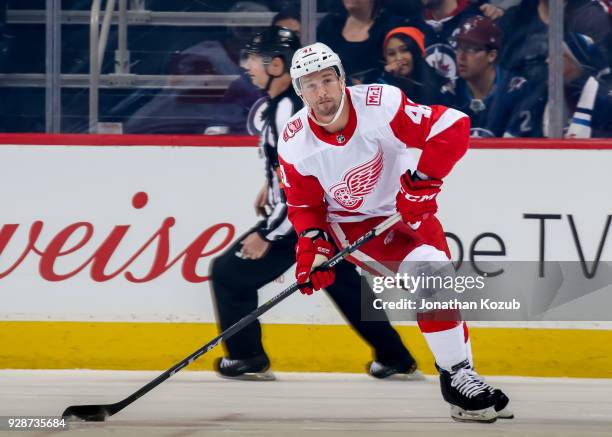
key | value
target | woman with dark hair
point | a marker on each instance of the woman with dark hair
(356, 33)
(406, 68)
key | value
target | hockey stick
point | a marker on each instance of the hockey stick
(98, 413)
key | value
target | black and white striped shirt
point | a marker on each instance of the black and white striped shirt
(279, 110)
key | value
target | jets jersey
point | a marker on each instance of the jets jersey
(354, 174)
(440, 43)
(503, 112)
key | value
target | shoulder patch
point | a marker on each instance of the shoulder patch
(293, 127)
(374, 95)
(516, 83)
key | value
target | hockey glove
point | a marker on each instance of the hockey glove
(312, 250)
(416, 200)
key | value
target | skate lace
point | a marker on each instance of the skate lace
(469, 383)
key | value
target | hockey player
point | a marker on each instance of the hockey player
(346, 168)
(267, 250)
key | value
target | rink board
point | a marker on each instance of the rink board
(64, 200)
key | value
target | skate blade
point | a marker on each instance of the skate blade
(506, 413)
(417, 375)
(255, 376)
(487, 415)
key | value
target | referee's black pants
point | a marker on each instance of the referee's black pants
(235, 282)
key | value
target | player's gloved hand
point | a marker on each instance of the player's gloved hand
(416, 199)
(312, 250)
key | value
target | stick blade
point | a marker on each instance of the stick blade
(87, 413)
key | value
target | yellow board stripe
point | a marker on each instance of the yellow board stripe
(312, 348)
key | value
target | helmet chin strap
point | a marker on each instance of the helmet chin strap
(270, 79)
(338, 112)
(268, 83)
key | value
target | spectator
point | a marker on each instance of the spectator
(441, 22)
(356, 33)
(526, 48)
(588, 99)
(405, 66)
(491, 96)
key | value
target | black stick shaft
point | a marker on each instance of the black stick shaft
(114, 408)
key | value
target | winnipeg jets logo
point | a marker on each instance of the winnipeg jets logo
(442, 58)
(292, 128)
(516, 83)
(479, 132)
(358, 183)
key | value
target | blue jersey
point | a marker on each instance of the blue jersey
(590, 101)
(440, 41)
(509, 110)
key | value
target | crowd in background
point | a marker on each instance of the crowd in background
(486, 58)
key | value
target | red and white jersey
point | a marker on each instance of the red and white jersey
(354, 174)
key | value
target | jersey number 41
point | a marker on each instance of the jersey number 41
(417, 112)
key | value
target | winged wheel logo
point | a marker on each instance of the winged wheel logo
(358, 182)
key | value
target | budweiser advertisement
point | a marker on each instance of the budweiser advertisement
(105, 232)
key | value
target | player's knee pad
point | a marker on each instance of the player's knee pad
(430, 268)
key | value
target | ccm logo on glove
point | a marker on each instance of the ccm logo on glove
(416, 199)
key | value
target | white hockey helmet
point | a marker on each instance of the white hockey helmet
(312, 58)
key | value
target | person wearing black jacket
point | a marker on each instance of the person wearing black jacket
(267, 250)
(406, 68)
(355, 30)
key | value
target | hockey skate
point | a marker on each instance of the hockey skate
(395, 371)
(471, 399)
(501, 405)
(250, 369)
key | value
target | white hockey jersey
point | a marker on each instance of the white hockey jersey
(354, 174)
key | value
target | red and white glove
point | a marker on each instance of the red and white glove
(311, 253)
(416, 199)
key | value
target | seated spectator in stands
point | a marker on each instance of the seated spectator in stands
(441, 20)
(526, 26)
(356, 34)
(492, 97)
(405, 67)
(588, 99)
(440, 23)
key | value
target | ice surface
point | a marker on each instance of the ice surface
(299, 404)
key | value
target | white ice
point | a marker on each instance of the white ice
(299, 404)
